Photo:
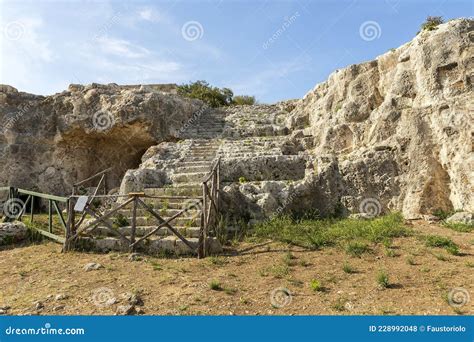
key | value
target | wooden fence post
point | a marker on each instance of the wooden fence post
(50, 216)
(134, 223)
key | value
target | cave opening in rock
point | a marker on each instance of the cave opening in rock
(121, 149)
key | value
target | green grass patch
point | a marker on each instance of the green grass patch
(442, 242)
(347, 268)
(382, 279)
(459, 227)
(352, 234)
(315, 285)
(215, 285)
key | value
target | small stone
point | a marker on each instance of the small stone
(92, 266)
(126, 310)
(140, 311)
(61, 296)
(136, 300)
(39, 305)
(3, 312)
(111, 301)
(360, 216)
(133, 298)
(135, 257)
(59, 307)
(431, 218)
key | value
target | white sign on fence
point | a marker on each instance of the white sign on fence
(81, 203)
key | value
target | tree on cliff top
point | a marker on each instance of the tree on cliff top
(213, 96)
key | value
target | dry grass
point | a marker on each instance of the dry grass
(183, 286)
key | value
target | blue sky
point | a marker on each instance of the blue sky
(274, 50)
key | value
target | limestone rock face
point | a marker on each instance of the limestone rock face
(12, 232)
(50, 142)
(400, 127)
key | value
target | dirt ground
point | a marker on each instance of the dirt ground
(245, 282)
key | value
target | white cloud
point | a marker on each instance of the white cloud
(25, 51)
(148, 14)
(121, 47)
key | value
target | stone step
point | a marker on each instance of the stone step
(156, 246)
(208, 159)
(192, 169)
(187, 220)
(188, 177)
(202, 152)
(183, 190)
(193, 210)
(197, 163)
(143, 230)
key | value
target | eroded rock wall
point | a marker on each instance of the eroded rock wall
(401, 126)
(50, 142)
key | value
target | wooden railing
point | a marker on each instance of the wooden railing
(102, 182)
(74, 227)
(74, 230)
(210, 207)
(16, 208)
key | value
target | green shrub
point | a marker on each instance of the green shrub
(442, 214)
(215, 285)
(439, 241)
(459, 227)
(348, 268)
(357, 248)
(431, 23)
(242, 180)
(120, 221)
(213, 96)
(315, 285)
(243, 100)
(382, 279)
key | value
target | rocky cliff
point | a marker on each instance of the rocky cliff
(394, 133)
(399, 129)
(50, 142)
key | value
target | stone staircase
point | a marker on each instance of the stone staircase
(242, 138)
(185, 192)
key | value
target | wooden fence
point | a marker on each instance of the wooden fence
(74, 227)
